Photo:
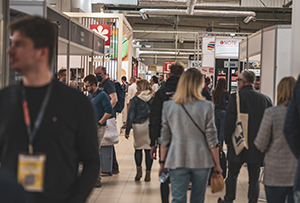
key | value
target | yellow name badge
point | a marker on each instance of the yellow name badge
(31, 172)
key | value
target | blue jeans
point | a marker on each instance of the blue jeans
(180, 179)
(219, 121)
(279, 194)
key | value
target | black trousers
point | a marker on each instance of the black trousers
(231, 181)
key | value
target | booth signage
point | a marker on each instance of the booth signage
(81, 36)
(208, 52)
(61, 21)
(227, 47)
(168, 65)
(103, 30)
(99, 44)
(231, 64)
(152, 68)
(109, 51)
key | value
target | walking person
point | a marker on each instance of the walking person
(162, 95)
(280, 163)
(103, 110)
(292, 134)
(220, 98)
(254, 104)
(154, 82)
(189, 144)
(48, 128)
(138, 115)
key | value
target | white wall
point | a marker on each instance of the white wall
(75, 61)
(295, 50)
(84, 5)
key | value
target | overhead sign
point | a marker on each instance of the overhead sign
(168, 65)
(103, 30)
(152, 68)
(208, 51)
(227, 47)
(81, 36)
(231, 64)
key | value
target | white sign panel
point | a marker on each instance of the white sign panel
(227, 47)
(208, 52)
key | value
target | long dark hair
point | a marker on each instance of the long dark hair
(218, 93)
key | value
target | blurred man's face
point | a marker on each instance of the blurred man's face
(63, 77)
(131, 81)
(161, 78)
(257, 85)
(22, 54)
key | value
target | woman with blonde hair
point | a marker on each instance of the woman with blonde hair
(280, 163)
(138, 115)
(189, 144)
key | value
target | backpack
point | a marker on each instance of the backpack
(121, 97)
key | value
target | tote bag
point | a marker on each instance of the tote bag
(111, 135)
(240, 135)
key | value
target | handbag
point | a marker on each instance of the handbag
(111, 135)
(240, 135)
(218, 181)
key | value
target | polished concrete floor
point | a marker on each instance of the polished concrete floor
(122, 188)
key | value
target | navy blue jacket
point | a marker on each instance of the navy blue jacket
(292, 129)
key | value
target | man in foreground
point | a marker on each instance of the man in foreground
(48, 127)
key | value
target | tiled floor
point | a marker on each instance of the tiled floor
(122, 188)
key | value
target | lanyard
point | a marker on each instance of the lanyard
(95, 94)
(38, 120)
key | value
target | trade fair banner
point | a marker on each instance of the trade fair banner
(103, 30)
(227, 47)
(168, 66)
(208, 52)
(207, 71)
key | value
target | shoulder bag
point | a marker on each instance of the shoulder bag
(240, 135)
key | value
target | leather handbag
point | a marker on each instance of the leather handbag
(240, 135)
(216, 183)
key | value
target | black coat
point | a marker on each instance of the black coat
(162, 95)
(292, 129)
(253, 103)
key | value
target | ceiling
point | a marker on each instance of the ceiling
(186, 27)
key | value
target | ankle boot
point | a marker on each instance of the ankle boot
(138, 173)
(148, 176)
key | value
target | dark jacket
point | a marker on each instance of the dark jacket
(138, 112)
(253, 103)
(162, 95)
(292, 129)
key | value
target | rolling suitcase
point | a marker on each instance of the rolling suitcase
(106, 159)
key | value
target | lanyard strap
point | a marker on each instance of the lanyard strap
(38, 120)
(95, 94)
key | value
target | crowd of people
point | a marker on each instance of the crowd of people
(45, 136)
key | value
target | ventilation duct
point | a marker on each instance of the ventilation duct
(198, 12)
(184, 3)
(190, 7)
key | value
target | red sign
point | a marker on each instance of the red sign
(103, 30)
(224, 77)
(203, 70)
(211, 70)
(168, 65)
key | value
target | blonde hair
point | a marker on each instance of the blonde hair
(143, 85)
(190, 87)
(285, 90)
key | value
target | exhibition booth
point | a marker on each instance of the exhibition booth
(267, 53)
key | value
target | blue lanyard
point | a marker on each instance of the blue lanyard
(38, 120)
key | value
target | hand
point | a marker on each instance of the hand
(127, 136)
(153, 152)
(161, 169)
(218, 170)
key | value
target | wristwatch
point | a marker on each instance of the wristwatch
(161, 162)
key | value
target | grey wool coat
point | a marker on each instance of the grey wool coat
(188, 147)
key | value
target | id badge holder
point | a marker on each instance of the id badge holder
(31, 170)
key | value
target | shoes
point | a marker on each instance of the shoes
(98, 183)
(115, 171)
(148, 176)
(222, 200)
(138, 173)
